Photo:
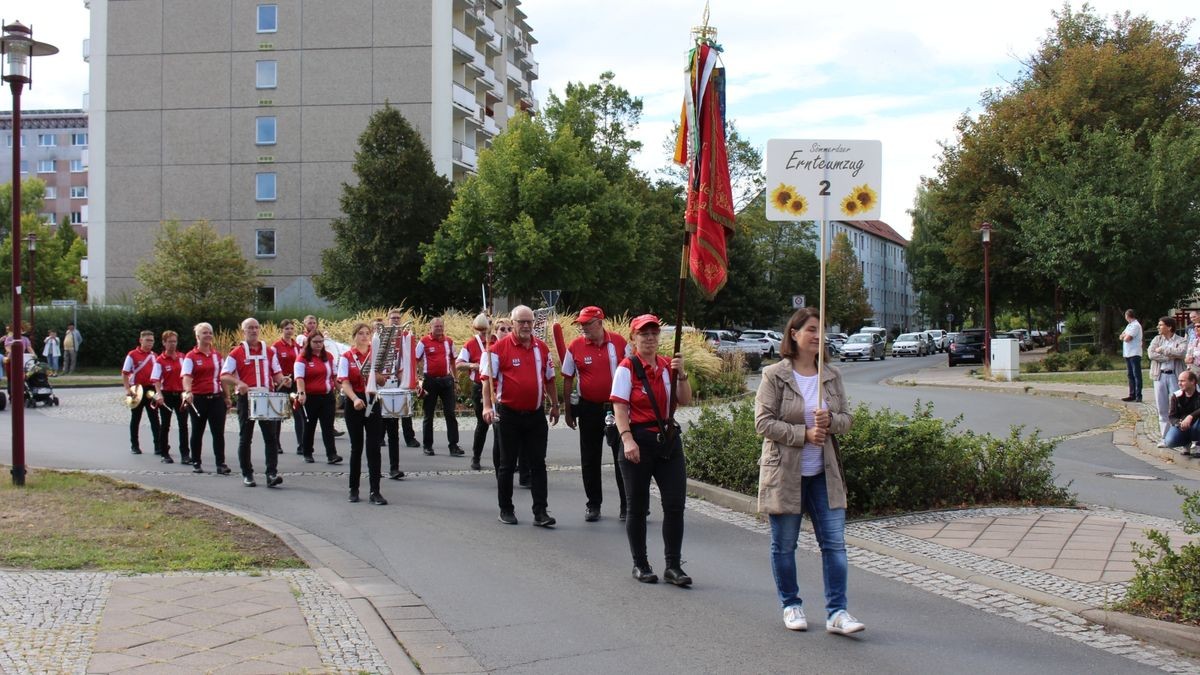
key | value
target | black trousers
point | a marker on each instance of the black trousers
(246, 438)
(173, 405)
(481, 428)
(319, 410)
(589, 419)
(297, 426)
(210, 410)
(391, 429)
(439, 389)
(358, 425)
(135, 422)
(522, 437)
(671, 476)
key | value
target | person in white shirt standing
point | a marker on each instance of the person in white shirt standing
(1131, 349)
(52, 351)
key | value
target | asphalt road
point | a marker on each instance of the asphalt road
(527, 600)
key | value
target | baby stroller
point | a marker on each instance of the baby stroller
(37, 385)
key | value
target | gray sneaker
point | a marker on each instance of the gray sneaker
(793, 618)
(843, 624)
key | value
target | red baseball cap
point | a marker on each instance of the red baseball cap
(588, 313)
(644, 320)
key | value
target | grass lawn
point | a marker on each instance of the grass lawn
(74, 521)
(1116, 377)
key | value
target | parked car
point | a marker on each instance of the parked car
(1040, 337)
(836, 339)
(908, 344)
(863, 346)
(966, 346)
(770, 338)
(940, 339)
(716, 337)
(1023, 336)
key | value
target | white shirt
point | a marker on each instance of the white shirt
(812, 457)
(1132, 347)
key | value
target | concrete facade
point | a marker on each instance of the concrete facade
(55, 150)
(881, 253)
(179, 89)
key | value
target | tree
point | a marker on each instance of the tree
(66, 233)
(394, 209)
(845, 295)
(746, 173)
(196, 272)
(601, 116)
(54, 276)
(33, 193)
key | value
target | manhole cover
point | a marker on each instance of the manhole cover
(1128, 476)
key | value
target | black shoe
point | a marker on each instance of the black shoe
(158, 453)
(621, 517)
(675, 575)
(248, 481)
(308, 459)
(223, 470)
(396, 475)
(196, 468)
(273, 480)
(591, 515)
(299, 451)
(185, 459)
(1128, 399)
(412, 443)
(429, 451)
(1138, 400)
(136, 451)
(645, 574)
(377, 499)
(456, 451)
(166, 459)
(543, 519)
(338, 433)
(353, 497)
(336, 459)
(475, 465)
(508, 518)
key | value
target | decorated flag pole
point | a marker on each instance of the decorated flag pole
(701, 147)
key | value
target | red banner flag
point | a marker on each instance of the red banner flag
(709, 215)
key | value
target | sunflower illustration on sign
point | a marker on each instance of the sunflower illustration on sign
(786, 200)
(862, 198)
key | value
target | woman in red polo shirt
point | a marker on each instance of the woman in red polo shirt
(315, 375)
(287, 350)
(202, 391)
(650, 452)
(360, 420)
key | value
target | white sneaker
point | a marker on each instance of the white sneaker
(793, 618)
(1162, 444)
(842, 623)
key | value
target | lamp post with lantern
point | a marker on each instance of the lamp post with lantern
(985, 231)
(17, 49)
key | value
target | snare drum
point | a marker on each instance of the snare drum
(269, 405)
(395, 402)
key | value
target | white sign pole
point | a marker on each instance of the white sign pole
(824, 225)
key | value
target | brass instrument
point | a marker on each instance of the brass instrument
(135, 399)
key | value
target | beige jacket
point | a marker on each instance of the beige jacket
(779, 419)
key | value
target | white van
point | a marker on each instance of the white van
(874, 330)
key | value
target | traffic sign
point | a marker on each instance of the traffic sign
(550, 297)
(950, 318)
(823, 180)
(797, 302)
(62, 303)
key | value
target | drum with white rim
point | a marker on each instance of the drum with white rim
(395, 402)
(269, 405)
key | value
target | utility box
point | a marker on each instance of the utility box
(1006, 359)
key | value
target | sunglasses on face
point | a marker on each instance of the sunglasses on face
(523, 321)
(504, 330)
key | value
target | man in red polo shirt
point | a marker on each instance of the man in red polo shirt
(436, 351)
(141, 367)
(253, 365)
(593, 357)
(522, 376)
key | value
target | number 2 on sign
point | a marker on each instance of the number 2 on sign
(824, 188)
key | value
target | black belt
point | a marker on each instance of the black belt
(206, 395)
(1166, 372)
(514, 411)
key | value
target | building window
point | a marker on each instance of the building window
(78, 192)
(9, 140)
(264, 298)
(265, 74)
(24, 166)
(45, 166)
(79, 139)
(268, 18)
(77, 166)
(51, 192)
(77, 217)
(264, 130)
(264, 243)
(48, 218)
(46, 141)
(264, 187)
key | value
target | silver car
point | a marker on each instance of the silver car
(908, 344)
(863, 346)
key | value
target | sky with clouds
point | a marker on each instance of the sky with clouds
(899, 72)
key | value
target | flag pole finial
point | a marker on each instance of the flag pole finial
(704, 32)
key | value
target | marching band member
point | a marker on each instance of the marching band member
(641, 394)
(315, 375)
(470, 358)
(141, 368)
(310, 327)
(405, 378)
(252, 365)
(202, 391)
(170, 398)
(436, 350)
(523, 376)
(352, 374)
(504, 328)
(287, 348)
(593, 357)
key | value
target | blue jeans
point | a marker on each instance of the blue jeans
(52, 361)
(1177, 438)
(1133, 371)
(829, 527)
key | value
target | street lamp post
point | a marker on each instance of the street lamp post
(986, 231)
(491, 256)
(17, 49)
(32, 239)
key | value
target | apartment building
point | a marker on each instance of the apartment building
(54, 148)
(246, 113)
(881, 255)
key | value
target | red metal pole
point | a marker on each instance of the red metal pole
(987, 308)
(16, 359)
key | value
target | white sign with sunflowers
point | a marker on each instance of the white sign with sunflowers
(823, 179)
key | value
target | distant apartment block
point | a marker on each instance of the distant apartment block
(247, 114)
(54, 149)
(881, 255)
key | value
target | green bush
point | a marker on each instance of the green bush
(1102, 362)
(1054, 362)
(730, 381)
(1078, 359)
(892, 462)
(1166, 584)
(1032, 367)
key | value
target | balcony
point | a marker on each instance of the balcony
(464, 100)
(464, 155)
(488, 26)
(532, 70)
(476, 120)
(86, 100)
(87, 50)
(464, 47)
(496, 44)
(490, 126)
(478, 64)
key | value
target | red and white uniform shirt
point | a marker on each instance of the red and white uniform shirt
(438, 355)
(521, 373)
(627, 388)
(595, 365)
(141, 367)
(472, 352)
(405, 376)
(254, 366)
(205, 370)
(171, 372)
(287, 354)
(318, 373)
(353, 368)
